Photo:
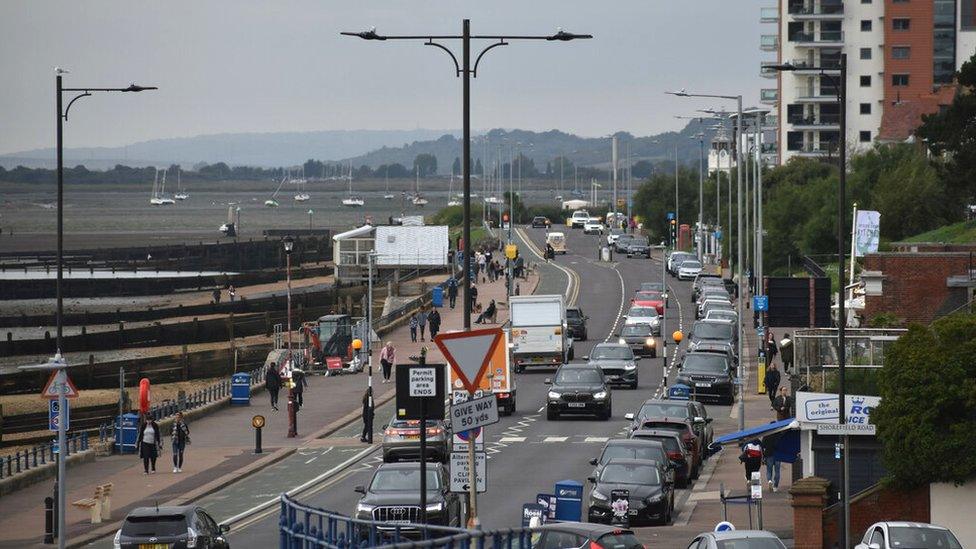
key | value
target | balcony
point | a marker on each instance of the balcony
(821, 148)
(822, 39)
(769, 96)
(771, 121)
(765, 71)
(769, 15)
(826, 65)
(809, 94)
(814, 11)
(769, 42)
(822, 122)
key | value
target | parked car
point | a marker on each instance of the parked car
(174, 527)
(401, 440)
(679, 456)
(708, 432)
(620, 244)
(650, 495)
(713, 331)
(689, 269)
(649, 298)
(613, 235)
(638, 247)
(561, 535)
(616, 361)
(593, 226)
(393, 497)
(705, 279)
(640, 339)
(737, 539)
(689, 437)
(578, 389)
(576, 323)
(708, 375)
(710, 305)
(675, 259)
(687, 410)
(633, 448)
(644, 315)
(721, 314)
(541, 222)
(902, 535)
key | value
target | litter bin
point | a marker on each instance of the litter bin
(605, 254)
(240, 389)
(569, 500)
(127, 434)
(437, 297)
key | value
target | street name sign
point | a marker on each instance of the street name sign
(846, 429)
(474, 413)
(469, 353)
(460, 471)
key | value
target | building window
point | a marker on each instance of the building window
(899, 79)
(865, 24)
(864, 136)
(866, 81)
(899, 1)
(865, 1)
(901, 24)
(865, 108)
(901, 52)
(865, 53)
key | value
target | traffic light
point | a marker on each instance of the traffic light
(673, 233)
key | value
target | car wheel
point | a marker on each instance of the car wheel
(653, 354)
(551, 414)
(634, 384)
(584, 336)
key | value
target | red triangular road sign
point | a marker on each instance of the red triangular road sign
(51, 388)
(469, 353)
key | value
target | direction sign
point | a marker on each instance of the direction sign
(54, 415)
(423, 382)
(760, 303)
(474, 413)
(460, 472)
(51, 388)
(469, 353)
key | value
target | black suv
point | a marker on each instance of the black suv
(708, 375)
(638, 246)
(173, 527)
(393, 496)
(578, 389)
(649, 493)
(540, 222)
(576, 323)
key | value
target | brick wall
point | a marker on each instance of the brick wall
(919, 38)
(932, 247)
(876, 505)
(914, 286)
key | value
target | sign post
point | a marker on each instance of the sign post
(420, 396)
(469, 353)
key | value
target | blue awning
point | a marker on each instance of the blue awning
(787, 445)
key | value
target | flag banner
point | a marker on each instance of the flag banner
(867, 232)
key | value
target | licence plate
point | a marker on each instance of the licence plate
(703, 384)
(154, 546)
(632, 512)
(576, 404)
(412, 437)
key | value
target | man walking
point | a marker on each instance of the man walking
(367, 435)
(769, 458)
(422, 322)
(772, 380)
(783, 404)
(452, 291)
(786, 353)
(474, 296)
(181, 438)
(413, 323)
(434, 320)
(387, 360)
(272, 382)
(298, 378)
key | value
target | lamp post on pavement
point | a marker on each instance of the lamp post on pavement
(289, 244)
(310, 212)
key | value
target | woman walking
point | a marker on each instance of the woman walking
(150, 441)
(387, 360)
(181, 438)
(272, 382)
(422, 322)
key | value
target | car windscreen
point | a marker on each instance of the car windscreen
(921, 538)
(721, 314)
(620, 451)
(711, 281)
(660, 409)
(670, 443)
(679, 428)
(713, 330)
(573, 313)
(403, 480)
(619, 473)
(750, 543)
(651, 286)
(639, 242)
(611, 352)
(679, 257)
(691, 265)
(156, 526)
(619, 540)
(642, 312)
(578, 375)
(641, 330)
(704, 363)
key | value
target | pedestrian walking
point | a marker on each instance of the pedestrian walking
(769, 444)
(150, 442)
(216, 296)
(232, 292)
(181, 439)
(474, 296)
(422, 322)
(368, 413)
(272, 382)
(771, 380)
(298, 378)
(783, 404)
(387, 360)
(434, 321)
(751, 457)
(452, 291)
(786, 353)
(413, 323)
(771, 346)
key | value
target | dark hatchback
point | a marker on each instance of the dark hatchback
(540, 222)
(393, 498)
(712, 331)
(649, 493)
(679, 456)
(576, 323)
(182, 527)
(578, 389)
(708, 375)
(633, 448)
(640, 339)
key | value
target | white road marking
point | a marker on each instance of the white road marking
(512, 439)
(596, 439)
(311, 460)
(540, 410)
(620, 310)
(555, 439)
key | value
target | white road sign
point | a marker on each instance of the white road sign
(460, 474)
(474, 413)
(469, 353)
(846, 429)
(423, 382)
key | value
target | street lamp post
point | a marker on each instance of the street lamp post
(840, 87)
(289, 244)
(310, 212)
(738, 265)
(58, 363)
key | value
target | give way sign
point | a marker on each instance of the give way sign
(469, 353)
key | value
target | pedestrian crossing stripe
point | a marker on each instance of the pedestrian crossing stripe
(555, 439)
(512, 439)
(596, 439)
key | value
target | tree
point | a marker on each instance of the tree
(426, 164)
(456, 168)
(927, 414)
(642, 169)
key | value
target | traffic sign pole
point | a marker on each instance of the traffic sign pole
(61, 382)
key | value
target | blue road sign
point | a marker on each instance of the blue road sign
(718, 235)
(670, 216)
(724, 526)
(760, 303)
(760, 331)
(469, 434)
(54, 415)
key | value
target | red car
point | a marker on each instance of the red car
(649, 298)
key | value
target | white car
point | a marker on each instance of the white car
(644, 315)
(613, 235)
(593, 226)
(895, 535)
(579, 218)
(689, 269)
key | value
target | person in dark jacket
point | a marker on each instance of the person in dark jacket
(422, 322)
(434, 321)
(452, 291)
(474, 296)
(772, 380)
(786, 353)
(272, 382)
(150, 441)
(181, 438)
(368, 414)
(783, 404)
(769, 458)
(751, 457)
(298, 378)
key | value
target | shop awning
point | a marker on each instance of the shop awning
(787, 443)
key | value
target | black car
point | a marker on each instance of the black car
(540, 222)
(393, 497)
(708, 432)
(620, 245)
(724, 349)
(617, 361)
(576, 323)
(633, 448)
(562, 535)
(180, 527)
(640, 339)
(578, 389)
(679, 455)
(637, 247)
(708, 375)
(711, 331)
(654, 408)
(649, 493)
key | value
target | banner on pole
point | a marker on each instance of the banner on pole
(867, 232)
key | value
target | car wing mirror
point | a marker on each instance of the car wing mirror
(699, 420)
(591, 479)
(548, 381)
(629, 417)
(586, 357)
(593, 461)
(224, 528)
(360, 489)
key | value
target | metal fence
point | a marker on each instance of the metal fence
(815, 349)
(304, 527)
(39, 455)
(215, 392)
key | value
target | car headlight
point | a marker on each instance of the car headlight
(622, 341)
(649, 342)
(653, 498)
(598, 496)
(433, 507)
(629, 366)
(117, 540)
(364, 508)
(554, 394)
(600, 395)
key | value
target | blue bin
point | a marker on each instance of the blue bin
(125, 441)
(240, 389)
(437, 297)
(569, 500)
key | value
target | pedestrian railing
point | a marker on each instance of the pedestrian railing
(39, 455)
(306, 527)
(215, 392)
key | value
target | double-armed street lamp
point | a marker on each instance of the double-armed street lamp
(700, 137)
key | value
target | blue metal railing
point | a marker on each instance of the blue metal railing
(39, 455)
(304, 527)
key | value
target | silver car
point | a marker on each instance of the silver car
(401, 440)
(737, 539)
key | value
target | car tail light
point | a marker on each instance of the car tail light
(390, 432)
(595, 545)
(503, 395)
(675, 456)
(434, 431)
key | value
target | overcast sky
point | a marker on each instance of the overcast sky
(246, 66)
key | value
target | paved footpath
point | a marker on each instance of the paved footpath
(221, 471)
